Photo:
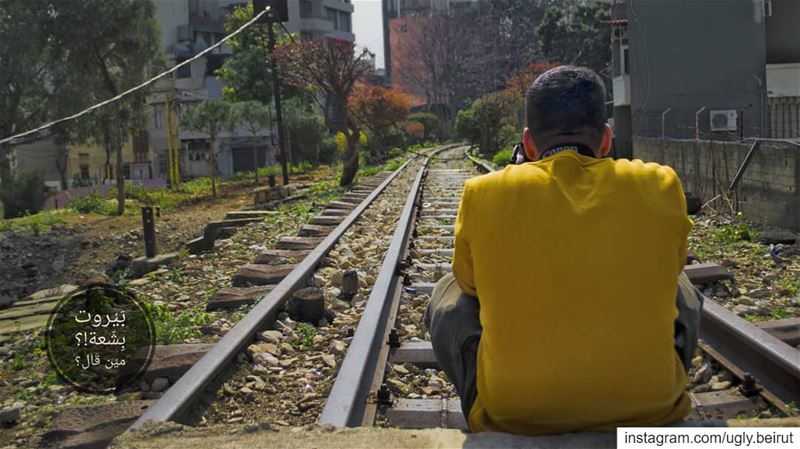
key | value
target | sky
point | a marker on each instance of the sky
(368, 27)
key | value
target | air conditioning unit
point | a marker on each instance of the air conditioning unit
(620, 33)
(724, 120)
(204, 155)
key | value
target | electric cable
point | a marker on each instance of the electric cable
(138, 87)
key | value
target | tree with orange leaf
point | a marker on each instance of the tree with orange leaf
(379, 110)
(518, 83)
(328, 69)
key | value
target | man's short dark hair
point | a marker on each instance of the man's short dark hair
(566, 100)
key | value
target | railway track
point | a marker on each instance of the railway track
(388, 374)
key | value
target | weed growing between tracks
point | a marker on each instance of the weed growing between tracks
(767, 276)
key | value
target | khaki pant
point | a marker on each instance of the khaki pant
(453, 321)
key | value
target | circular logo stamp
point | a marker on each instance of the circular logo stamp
(100, 338)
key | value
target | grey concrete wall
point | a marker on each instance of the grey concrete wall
(622, 133)
(783, 32)
(769, 191)
(686, 54)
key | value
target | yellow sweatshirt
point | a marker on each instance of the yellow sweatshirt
(575, 262)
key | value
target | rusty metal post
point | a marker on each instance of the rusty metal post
(149, 226)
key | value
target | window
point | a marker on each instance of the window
(140, 147)
(83, 161)
(213, 63)
(624, 60)
(306, 9)
(158, 116)
(344, 21)
(332, 16)
(185, 71)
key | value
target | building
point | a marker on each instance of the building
(314, 19)
(191, 26)
(187, 28)
(398, 19)
(705, 69)
(713, 89)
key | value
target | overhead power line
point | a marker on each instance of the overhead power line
(138, 87)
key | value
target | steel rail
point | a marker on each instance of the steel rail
(347, 401)
(177, 402)
(482, 165)
(748, 349)
(741, 347)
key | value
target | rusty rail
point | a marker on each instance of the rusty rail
(178, 401)
(347, 401)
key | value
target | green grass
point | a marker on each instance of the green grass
(776, 314)
(369, 171)
(305, 332)
(792, 409)
(792, 286)
(733, 233)
(92, 204)
(36, 223)
(174, 328)
(394, 164)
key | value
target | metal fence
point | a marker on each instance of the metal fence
(780, 119)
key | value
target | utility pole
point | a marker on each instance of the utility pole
(173, 149)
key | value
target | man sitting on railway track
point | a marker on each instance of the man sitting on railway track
(571, 322)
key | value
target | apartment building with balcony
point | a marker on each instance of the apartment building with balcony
(705, 70)
(712, 89)
(191, 26)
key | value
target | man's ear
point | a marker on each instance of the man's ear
(530, 147)
(608, 138)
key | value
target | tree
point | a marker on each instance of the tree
(210, 117)
(247, 73)
(254, 116)
(25, 61)
(469, 51)
(328, 69)
(429, 120)
(305, 129)
(574, 34)
(415, 131)
(104, 48)
(379, 110)
(489, 122)
(520, 81)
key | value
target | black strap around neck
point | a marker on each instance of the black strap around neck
(580, 149)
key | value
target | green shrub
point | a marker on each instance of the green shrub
(429, 121)
(395, 152)
(734, 232)
(22, 194)
(369, 171)
(502, 157)
(91, 204)
(172, 328)
(197, 185)
(394, 164)
(305, 333)
(328, 152)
